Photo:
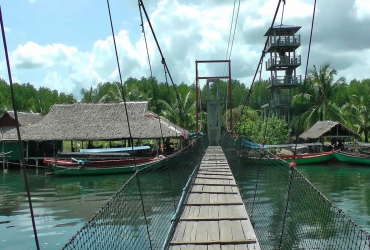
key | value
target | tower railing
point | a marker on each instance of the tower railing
(284, 41)
(284, 81)
(283, 62)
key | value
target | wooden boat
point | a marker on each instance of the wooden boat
(301, 158)
(102, 169)
(98, 161)
(349, 157)
(115, 150)
(309, 158)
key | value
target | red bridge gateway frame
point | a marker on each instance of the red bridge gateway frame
(197, 78)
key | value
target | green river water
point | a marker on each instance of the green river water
(63, 204)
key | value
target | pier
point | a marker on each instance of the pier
(214, 215)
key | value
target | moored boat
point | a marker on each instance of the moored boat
(349, 157)
(102, 169)
(100, 161)
(309, 158)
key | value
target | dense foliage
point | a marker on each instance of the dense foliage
(273, 130)
(30, 99)
(326, 97)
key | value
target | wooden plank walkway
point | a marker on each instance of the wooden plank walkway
(214, 216)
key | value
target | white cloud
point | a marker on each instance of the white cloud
(362, 9)
(193, 30)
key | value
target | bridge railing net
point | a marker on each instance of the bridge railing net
(139, 215)
(287, 211)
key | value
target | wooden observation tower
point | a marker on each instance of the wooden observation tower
(282, 63)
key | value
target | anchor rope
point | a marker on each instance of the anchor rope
(255, 74)
(155, 97)
(228, 56)
(18, 132)
(162, 56)
(305, 76)
(299, 120)
(128, 122)
(150, 68)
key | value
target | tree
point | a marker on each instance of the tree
(320, 90)
(181, 111)
(358, 111)
(274, 131)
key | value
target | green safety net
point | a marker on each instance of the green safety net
(139, 215)
(286, 210)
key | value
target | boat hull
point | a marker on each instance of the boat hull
(352, 158)
(308, 159)
(102, 170)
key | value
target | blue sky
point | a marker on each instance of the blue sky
(74, 23)
(67, 45)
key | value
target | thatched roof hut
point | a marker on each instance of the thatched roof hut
(328, 129)
(7, 120)
(98, 121)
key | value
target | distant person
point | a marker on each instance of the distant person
(340, 145)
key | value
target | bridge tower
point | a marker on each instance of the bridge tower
(282, 63)
(213, 105)
(213, 114)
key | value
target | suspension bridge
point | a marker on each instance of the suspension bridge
(215, 193)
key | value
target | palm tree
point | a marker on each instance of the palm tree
(358, 111)
(183, 117)
(320, 90)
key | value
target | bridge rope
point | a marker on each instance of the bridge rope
(228, 56)
(18, 132)
(246, 102)
(305, 76)
(128, 124)
(142, 6)
(292, 164)
(151, 71)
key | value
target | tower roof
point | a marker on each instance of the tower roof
(282, 30)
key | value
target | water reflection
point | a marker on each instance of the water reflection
(346, 186)
(61, 206)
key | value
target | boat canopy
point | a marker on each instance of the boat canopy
(364, 144)
(293, 145)
(110, 150)
(67, 154)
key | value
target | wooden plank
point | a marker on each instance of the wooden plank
(216, 174)
(242, 247)
(213, 231)
(212, 170)
(213, 192)
(236, 228)
(214, 216)
(214, 247)
(213, 219)
(215, 184)
(222, 242)
(201, 233)
(213, 178)
(179, 232)
(225, 231)
(214, 204)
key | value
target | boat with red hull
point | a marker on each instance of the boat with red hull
(99, 161)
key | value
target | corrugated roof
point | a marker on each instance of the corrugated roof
(96, 121)
(327, 129)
